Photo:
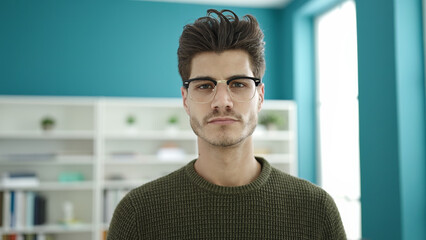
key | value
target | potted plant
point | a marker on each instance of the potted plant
(47, 123)
(272, 121)
(130, 120)
(172, 123)
(131, 123)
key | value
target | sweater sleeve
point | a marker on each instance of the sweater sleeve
(123, 223)
(333, 226)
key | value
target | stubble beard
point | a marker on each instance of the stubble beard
(221, 137)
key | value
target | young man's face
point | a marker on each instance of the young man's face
(223, 121)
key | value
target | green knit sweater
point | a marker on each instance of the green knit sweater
(183, 205)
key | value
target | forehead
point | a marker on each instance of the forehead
(221, 65)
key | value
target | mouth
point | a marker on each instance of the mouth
(222, 120)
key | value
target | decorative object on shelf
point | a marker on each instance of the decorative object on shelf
(123, 155)
(115, 177)
(71, 177)
(68, 208)
(131, 123)
(130, 120)
(172, 123)
(47, 123)
(171, 152)
(271, 121)
(262, 151)
(173, 120)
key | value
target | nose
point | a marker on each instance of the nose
(222, 99)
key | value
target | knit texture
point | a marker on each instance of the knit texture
(183, 205)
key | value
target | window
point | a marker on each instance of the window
(337, 112)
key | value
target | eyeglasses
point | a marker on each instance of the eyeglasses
(240, 88)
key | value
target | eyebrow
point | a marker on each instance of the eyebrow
(213, 79)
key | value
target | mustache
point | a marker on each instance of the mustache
(217, 113)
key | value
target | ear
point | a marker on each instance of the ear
(184, 93)
(261, 92)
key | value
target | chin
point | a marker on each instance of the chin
(226, 141)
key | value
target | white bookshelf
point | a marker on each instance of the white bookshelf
(91, 137)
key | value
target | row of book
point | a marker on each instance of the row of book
(22, 209)
(27, 237)
(111, 199)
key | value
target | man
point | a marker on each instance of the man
(227, 192)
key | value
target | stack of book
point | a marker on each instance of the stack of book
(24, 209)
(19, 179)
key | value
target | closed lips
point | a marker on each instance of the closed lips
(222, 120)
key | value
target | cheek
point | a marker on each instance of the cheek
(195, 112)
(251, 114)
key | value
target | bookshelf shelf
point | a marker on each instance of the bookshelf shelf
(50, 229)
(92, 136)
(76, 161)
(40, 135)
(152, 135)
(53, 186)
(146, 160)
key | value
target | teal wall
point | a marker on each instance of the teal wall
(392, 119)
(392, 109)
(379, 152)
(105, 48)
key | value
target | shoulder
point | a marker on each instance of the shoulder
(293, 183)
(167, 183)
(311, 199)
(297, 188)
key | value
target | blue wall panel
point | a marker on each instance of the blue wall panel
(105, 48)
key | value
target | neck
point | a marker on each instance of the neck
(227, 166)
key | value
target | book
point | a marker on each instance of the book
(6, 209)
(29, 217)
(1, 209)
(19, 209)
(12, 209)
(39, 210)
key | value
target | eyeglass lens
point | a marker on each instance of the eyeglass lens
(241, 90)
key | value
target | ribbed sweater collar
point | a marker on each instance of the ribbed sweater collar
(256, 184)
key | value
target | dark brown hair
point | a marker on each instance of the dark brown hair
(220, 33)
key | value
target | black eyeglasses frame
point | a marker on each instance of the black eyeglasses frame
(186, 83)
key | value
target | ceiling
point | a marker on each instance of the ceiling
(235, 3)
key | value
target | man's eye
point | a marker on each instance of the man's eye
(204, 86)
(237, 84)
